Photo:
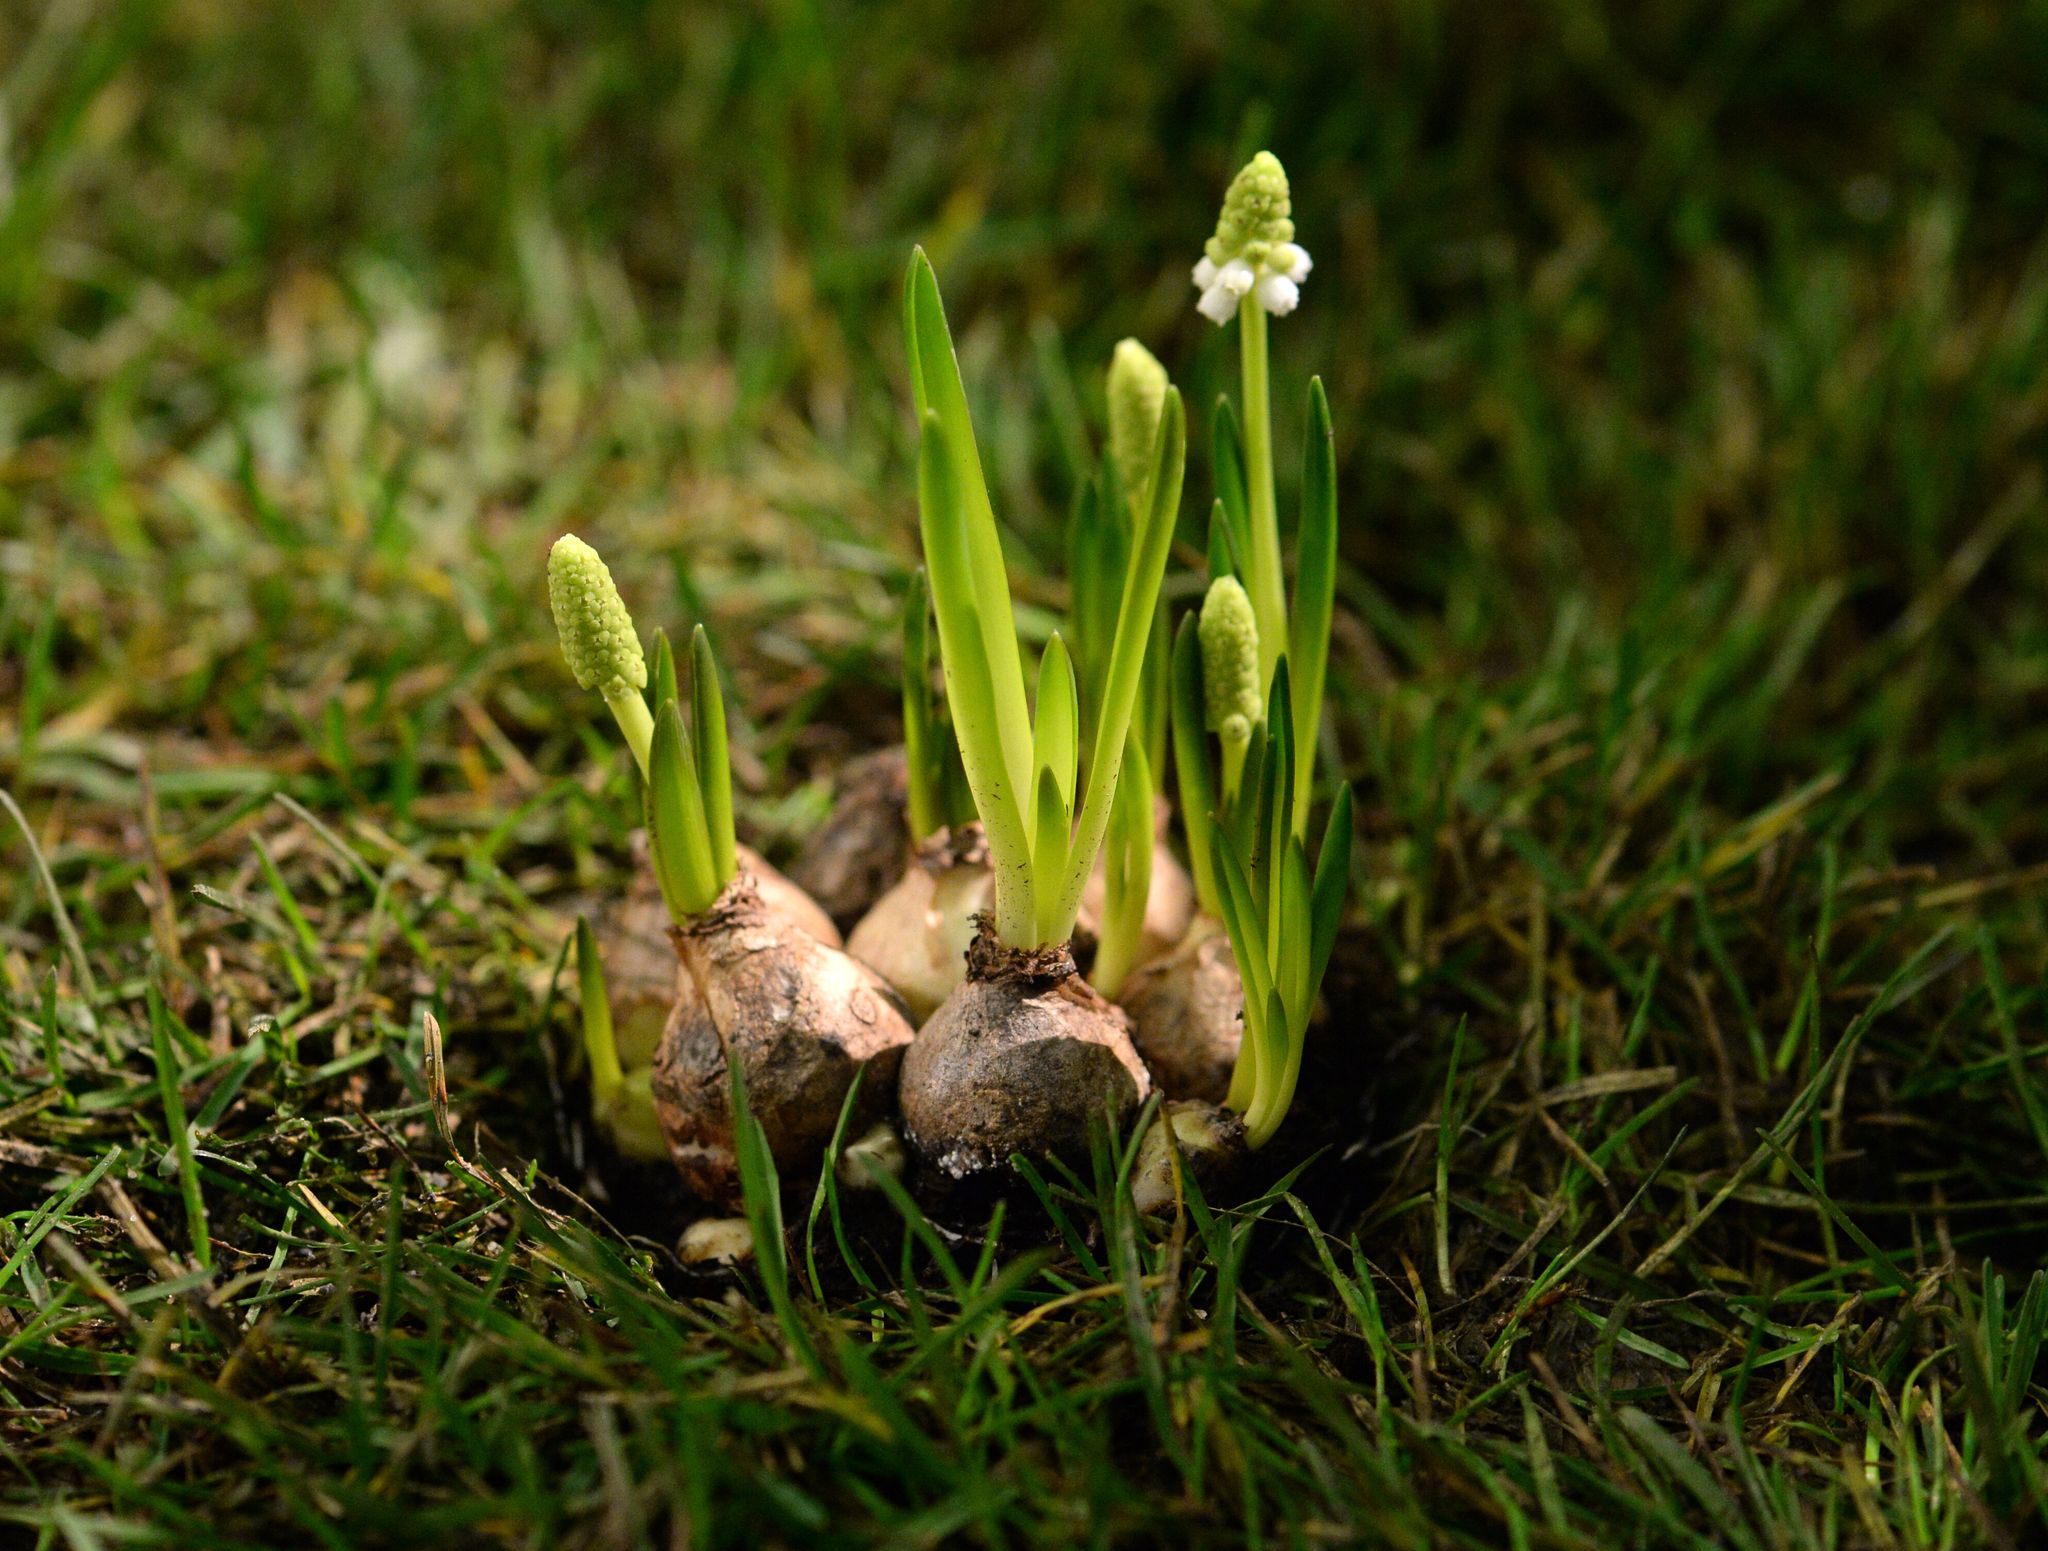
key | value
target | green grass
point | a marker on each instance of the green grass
(1674, 1171)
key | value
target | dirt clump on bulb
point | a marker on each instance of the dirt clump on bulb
(918, 934)
(1020, 1059)
(802, 1017)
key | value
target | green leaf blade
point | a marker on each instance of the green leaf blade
(713, 756)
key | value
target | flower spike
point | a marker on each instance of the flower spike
(1229, 636)
(1137, 398)
(1253, 252)
(598, 639)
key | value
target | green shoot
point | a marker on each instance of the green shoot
(621, 1102)
(1127, 871)
(689, 786)
(1250, 862)
(919, 764)
(1283, 925)
(1043, 833)
(688, 769)
(714, 757)
(1315, 591)
(1199, 797)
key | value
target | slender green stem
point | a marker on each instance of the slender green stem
(1262, 565)
(600, 1046)
(1234, 750)
(630, 711)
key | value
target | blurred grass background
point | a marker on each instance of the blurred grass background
(1607, 300)
(1692, 661)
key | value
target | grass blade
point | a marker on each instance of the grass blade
(175, 1123)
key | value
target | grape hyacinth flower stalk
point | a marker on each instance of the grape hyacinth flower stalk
(1139, 901)
(1281, 920)
(760, 995)
(1252, 268)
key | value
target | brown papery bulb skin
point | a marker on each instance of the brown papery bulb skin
(787, 900)
(640, 968)
(918, 934)
(1187, 1012)
(1020, 1059)
(801, 1017)
(1211, 1143)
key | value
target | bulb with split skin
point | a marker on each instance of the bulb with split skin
(761, 981)
(1024, 1056)
(801, 1018)
(640, 961)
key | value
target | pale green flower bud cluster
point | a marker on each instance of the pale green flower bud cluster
(1253, 252)
(1257, 214)
(1137, 397)
(597, 633)
(1229, 634)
